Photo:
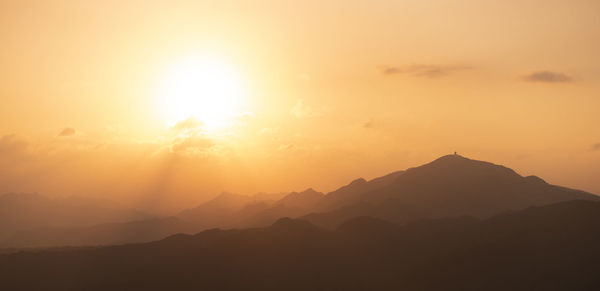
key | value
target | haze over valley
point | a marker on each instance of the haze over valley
(299, 145)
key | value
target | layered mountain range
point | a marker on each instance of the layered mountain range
(450, 186)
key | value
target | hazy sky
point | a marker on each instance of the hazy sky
(293, 94)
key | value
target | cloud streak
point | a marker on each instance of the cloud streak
(188, 124)
(68, 131)
(422, 71)
(547, 77)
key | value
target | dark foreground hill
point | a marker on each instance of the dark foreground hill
(554, 247)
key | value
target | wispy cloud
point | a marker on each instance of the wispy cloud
(68, 131)
(287, 147)
(420, 70)
(188, 124)
(547, 77)
(301, 109)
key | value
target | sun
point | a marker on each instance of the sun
(207, 89)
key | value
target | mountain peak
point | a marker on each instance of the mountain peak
(304, 199)
(457, 165)
(309, 191)
(452, 157)
(357, 182)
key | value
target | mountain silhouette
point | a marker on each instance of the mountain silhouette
(450, 186)
(552, 247)
(216, 211)
(235, 210)
(353, 192)
(306, 199)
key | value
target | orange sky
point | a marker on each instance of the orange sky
(328, 92)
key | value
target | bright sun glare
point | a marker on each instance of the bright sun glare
(207, 89)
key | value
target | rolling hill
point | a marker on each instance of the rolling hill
(552, 247)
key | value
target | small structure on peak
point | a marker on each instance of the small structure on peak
(455, 154)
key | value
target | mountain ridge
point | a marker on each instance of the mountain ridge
(451, 185)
